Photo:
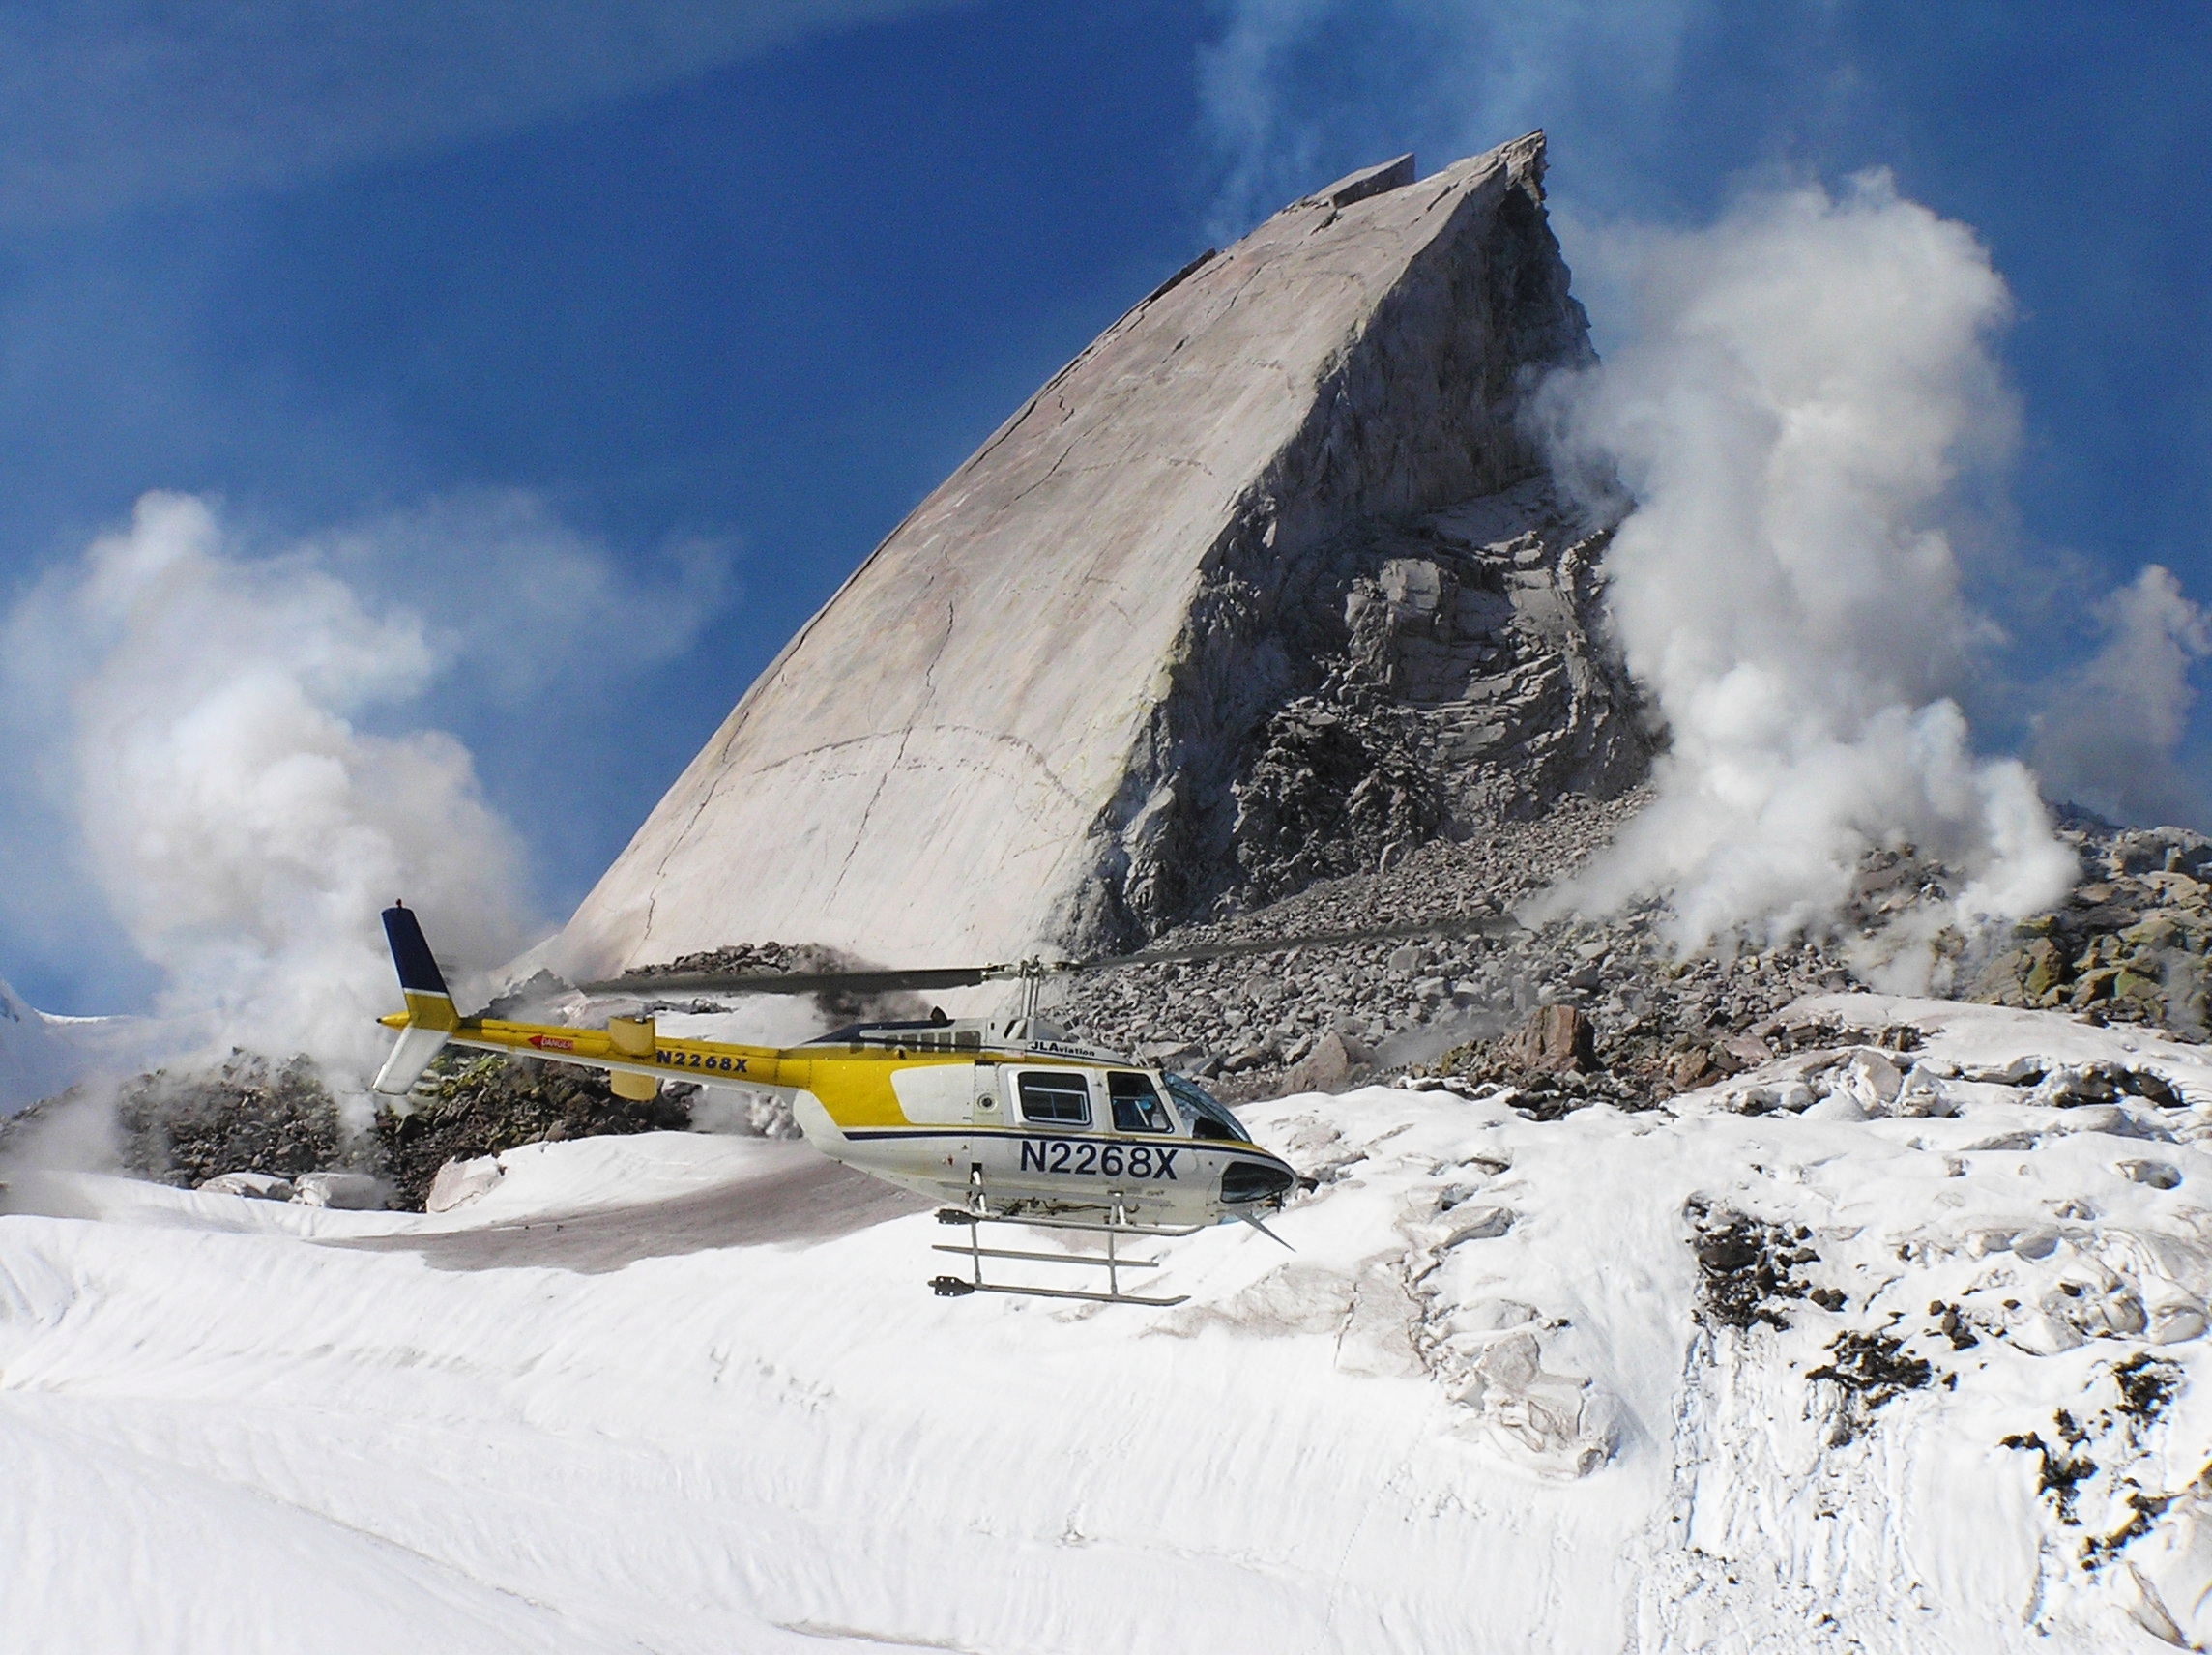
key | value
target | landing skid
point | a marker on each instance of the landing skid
(1113, 1229)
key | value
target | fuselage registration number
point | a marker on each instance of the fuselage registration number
(1097, 1160)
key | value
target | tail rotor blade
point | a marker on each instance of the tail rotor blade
(798, 982)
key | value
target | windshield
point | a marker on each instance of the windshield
(1207, 1116)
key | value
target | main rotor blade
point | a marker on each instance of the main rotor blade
(799, 982)
(968, 976)
(1492, 925)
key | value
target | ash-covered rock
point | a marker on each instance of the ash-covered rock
(737, 959)
(2129, 945)
(840, 1004)
(250, 1114)
(469, 1107)
(261, 1124)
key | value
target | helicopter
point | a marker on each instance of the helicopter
(1008, 1122)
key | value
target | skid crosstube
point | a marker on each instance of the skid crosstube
(1113, 1229)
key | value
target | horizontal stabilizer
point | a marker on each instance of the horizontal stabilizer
(411, 1054)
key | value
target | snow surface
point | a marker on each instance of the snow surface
(689, 1393)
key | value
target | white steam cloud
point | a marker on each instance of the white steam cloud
(193, 711)
(1809, 378)
(2108, 738)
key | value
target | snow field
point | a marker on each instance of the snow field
(1475, 1410)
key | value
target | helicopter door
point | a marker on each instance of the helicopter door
(936, 1094)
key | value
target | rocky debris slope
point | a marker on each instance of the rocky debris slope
(2128, 946)
(2131, 944)
(1023, 721)
(1322, 1015)
(247, 1116)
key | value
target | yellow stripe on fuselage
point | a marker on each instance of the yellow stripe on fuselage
(852, 1083)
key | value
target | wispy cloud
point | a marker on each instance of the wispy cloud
(526, 600)
(116, 102)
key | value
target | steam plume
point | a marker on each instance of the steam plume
(199, 708)
(1809, 378)
(2108, 738)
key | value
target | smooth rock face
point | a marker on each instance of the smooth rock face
(1050, 707)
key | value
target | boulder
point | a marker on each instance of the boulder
(1329, 1066)
(353, 1192)
(257, 1186)
(459, 1182)
(1557, 1039)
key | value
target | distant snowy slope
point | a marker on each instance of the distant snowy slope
(1522, 1386)
(40, 1054)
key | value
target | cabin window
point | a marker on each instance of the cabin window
(1059, 1097)
(1207, 1116)
(1137, 1107)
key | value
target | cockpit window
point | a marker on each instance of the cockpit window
(1060, 1097)
(1137, 1107)
(1209, 1118)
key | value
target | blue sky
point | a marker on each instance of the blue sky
(717, 292)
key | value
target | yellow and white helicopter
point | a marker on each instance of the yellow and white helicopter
(1008, 1124)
